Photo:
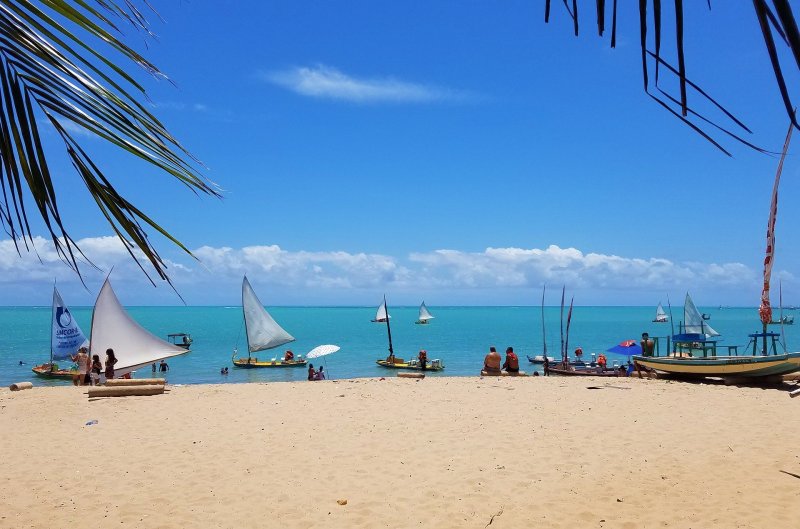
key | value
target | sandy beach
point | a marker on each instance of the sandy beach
(440, 452)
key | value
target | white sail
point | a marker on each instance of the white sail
(262, 331)
(113, 328)
(381, 314)
(424, 315)
(693, 322)
(67, 335)
(661, 316)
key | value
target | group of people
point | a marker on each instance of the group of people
(163, 367)
(89, 369)
(493, 362)
(316, 375)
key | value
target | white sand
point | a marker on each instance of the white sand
(441, 452)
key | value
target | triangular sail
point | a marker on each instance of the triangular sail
(693, 322)
(262, 331)
(660, 314)
(381, 314)
(113, 328)
(67, 336)
(424, 315)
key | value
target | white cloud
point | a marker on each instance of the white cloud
(495, 273)
(326, 82)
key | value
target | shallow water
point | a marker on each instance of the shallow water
(459, 336)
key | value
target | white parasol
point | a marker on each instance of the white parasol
(322, 350)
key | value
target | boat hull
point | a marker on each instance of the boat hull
(723, 366)
(587, 372)
(253, 363)
(405, 365)
(45, 371)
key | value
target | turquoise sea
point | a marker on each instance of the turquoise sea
(459, 336)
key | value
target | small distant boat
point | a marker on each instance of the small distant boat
(381, 315)
(181, 339)
(394, 362)
(706, 316)
(263, 333)
(66, 338)
(785, 320)
(661, 316)
(424, 315)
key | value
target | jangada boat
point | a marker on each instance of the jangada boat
(393, 362)
(263, 333)
(661, 316)
(695, 348)
(66, 338)
(424, 315)
(134, 346)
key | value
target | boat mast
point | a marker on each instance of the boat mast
(244, 315)
(52, 318)
(388, 327)
(563, 351)
(544, 336)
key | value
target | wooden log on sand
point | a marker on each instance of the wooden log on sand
(408, 374)
(19, 386)
(116, 382)
(125, 391)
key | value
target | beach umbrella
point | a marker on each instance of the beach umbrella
(626, 348)
(321, 351)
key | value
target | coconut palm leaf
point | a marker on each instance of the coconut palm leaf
(781, 21)
(63, 63)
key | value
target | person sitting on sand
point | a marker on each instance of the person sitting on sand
(491, 363)
(512, 361)
(320, 374)
(289, 356)
(312, 375)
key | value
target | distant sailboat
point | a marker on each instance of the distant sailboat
(424, 315)
(694, 322)
(263, 333)
(133, 345)
(661, 316)
(66, 337)
(381, 315)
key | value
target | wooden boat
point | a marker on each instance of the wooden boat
(393, 362)
(424, 316)
(661, 316)
(134, 346)
(539, 359)
(51, 370)
(694, 350)
(66, 337)
(587, 372)
(263, 333)
(181, 339)
(382, 315)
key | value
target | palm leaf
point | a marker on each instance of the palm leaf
(53, 66)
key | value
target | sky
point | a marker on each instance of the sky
(464, 153)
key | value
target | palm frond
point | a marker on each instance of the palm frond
(781, 21)
(63, 61)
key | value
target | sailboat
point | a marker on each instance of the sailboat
(392, 361)
(424, 315)
(661, 316)
(263, 333)
(382, 315)
(698, 337)
(113, 328)
(66, 337)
